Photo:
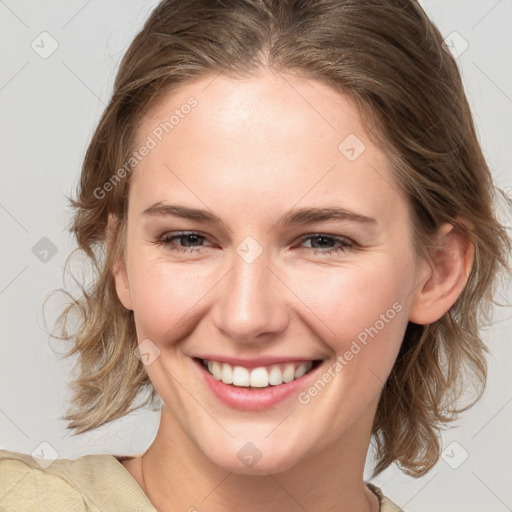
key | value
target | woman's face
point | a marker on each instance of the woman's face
(259, 279)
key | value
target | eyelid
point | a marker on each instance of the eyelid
(327, 235)
(177, 234)
(342, 244)
(171, 234)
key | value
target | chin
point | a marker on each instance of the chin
(248, 459)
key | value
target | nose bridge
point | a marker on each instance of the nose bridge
(251, 302)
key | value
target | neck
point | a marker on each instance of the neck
(176, 476)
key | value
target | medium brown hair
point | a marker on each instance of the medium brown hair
(390, 59)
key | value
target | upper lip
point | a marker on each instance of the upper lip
(254, 362)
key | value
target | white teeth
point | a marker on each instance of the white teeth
(301, 370)
(227, 374)
(240, 376)
(260, 377)
(215, 369)
(276, 376)
(289, 372)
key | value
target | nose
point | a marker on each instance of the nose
(250, 303)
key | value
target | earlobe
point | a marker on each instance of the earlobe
(443, 279)
(119, 270)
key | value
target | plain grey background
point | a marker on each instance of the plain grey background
(58, 64)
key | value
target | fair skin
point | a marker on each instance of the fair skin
(249, 152)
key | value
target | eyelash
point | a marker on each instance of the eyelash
(166, 240)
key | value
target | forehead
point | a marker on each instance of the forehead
(266, 142)
(268, 105)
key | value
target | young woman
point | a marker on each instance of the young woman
(292, 225)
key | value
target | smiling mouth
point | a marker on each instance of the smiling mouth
(260, 377)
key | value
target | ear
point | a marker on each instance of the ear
(119, 269)
(442, 281)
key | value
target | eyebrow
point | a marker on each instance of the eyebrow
(298, 216)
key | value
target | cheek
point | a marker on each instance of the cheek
(354, 296)
(361, 315)
(165, 297)
(360, 311)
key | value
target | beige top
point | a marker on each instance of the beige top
(92, 483)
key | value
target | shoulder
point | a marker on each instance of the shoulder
(89, 483)
(386, 505)
(27, 486)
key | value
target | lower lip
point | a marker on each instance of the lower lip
(253, 399)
